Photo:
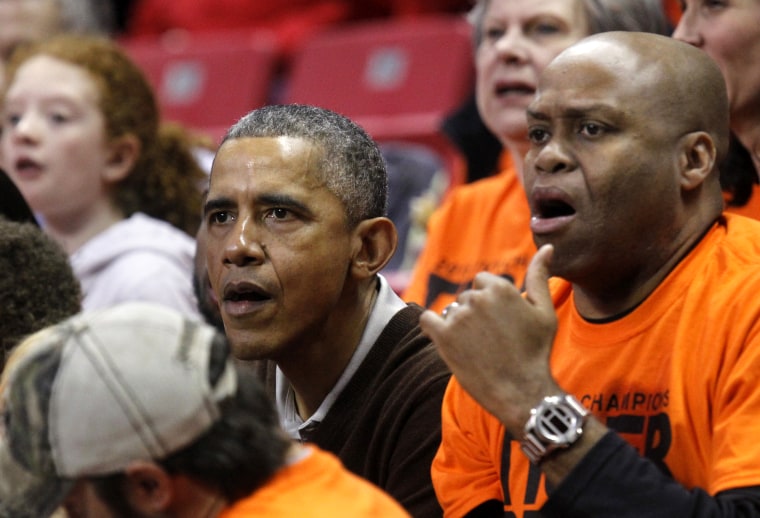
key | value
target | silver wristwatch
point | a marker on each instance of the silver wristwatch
(557, 422)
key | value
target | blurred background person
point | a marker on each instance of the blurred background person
(120, 193)
(23, 21)
(730, 34)
(208, 305)
(37, 285)
(152, 417)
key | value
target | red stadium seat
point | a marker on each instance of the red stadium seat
(397, 78)
(207, 81)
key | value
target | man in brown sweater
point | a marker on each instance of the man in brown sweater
(296, 233)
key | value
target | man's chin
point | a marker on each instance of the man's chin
(247, 346)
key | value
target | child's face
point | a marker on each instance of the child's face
(53, 138)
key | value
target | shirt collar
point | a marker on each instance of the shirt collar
(386, 305)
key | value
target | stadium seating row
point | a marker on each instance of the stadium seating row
(396, 78)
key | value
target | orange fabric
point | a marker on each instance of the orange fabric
(673, 10)
(480, 226)
(316, 487)
(752, 208)
(683, 367)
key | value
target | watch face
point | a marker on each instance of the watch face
(557, 423)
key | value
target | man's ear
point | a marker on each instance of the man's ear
(697, 159)
(123, 153)
(375, 242)
(148, 488)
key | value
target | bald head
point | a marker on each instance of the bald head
(637, 124)
(676, 82)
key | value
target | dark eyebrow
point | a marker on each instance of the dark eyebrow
(576, 112)
(218, 204)
(282, 200)
(278, 200)
(537, 115)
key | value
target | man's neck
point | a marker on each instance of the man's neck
(313, 371)
(616, 294)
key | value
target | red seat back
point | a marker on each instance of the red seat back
(208, 81)
(396, 78)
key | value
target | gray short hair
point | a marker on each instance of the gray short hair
(351, 163)
(602, 16)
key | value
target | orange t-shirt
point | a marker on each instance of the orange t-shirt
(677, 378)
(317, 486)
(482, 226)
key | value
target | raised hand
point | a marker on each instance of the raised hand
(497, 342)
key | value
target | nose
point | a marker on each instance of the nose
(25, 129)
(551, 158)
(243, 245)
(511, 46)
(687, 30)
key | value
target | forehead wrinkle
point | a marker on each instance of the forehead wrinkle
(578, 111)
(244, 157)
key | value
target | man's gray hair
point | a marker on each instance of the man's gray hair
(350, 163)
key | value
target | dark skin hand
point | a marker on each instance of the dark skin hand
(510, 373)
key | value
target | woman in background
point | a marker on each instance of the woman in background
(729, 31)
(22, 21)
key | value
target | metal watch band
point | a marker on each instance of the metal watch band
(556, 422)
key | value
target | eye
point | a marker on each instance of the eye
(58, 118)
(220, 218)
(278, 213)
(493, 33)
(11, 119)
(713, 4)
(545, 28)
(538, 135)
(591, 129)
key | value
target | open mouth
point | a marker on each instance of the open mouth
(504, 89)
(27, 165)
(553, 208)
(245, 293)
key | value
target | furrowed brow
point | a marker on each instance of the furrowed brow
(283, 201)
(216, 204)
(537, 115)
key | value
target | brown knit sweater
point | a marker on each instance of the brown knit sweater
(385, 425)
